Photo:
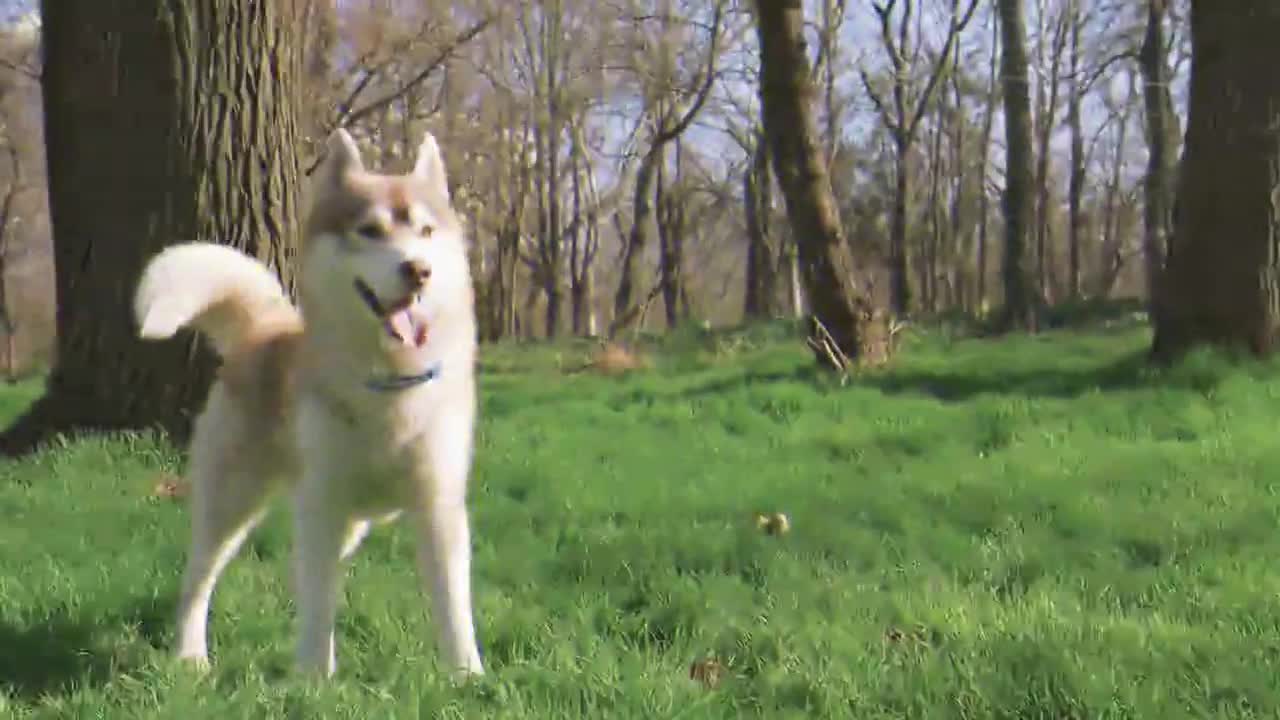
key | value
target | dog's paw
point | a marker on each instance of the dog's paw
(462, 675)
(196, 662)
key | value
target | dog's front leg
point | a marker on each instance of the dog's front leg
(319, 527)
(444, 547)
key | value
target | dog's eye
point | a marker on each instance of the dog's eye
(426, 231)
(370, 231)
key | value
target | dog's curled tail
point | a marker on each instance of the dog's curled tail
(214, 289)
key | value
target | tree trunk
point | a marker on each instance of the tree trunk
(826, 264)
(899, 288)
(638, 238)
(961, 233)
(1223, 283)
(984, 201)
(1075, 186)
(1020, 307)
(669, 218)
(1111, 254)
(795, 286)
(1046, 120)
(164, 123)
(1162, 143)
(761, 277)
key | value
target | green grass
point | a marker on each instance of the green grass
(1028, 528)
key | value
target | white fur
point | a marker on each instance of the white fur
(352, 457)
(212, 288)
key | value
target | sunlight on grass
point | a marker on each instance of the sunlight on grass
(1030, 528)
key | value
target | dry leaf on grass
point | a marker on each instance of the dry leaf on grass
(774, 523)
(169, 486)
(614, 359)
(707, 671)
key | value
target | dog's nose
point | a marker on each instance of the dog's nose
(415, 272)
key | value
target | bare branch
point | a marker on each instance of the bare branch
(405, 88)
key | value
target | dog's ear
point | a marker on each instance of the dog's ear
(343, 156)
(429, 166)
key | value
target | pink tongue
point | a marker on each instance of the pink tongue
(402, 325)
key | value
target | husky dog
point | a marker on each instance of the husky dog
(361, 402)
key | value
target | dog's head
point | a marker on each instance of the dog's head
(383, 251)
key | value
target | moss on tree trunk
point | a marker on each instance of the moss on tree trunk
(165, 122)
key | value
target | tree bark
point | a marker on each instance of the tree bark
(670, 220)
(1021, 310)
(761, 276)
(984, 202)
(899, 282)
(1075, 186)
(826, 264)
(1223, 283)
(1162, 143)
(164, 122)
(1046, 120)
(638, 239)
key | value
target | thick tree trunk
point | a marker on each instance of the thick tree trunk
(1162, 143)
(1223, 279)
(163, 123)
(1020, 307)
(825, 261)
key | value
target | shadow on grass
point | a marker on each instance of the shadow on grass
(805, 374)
(50, 657)
(61, 653)
(1127, 373)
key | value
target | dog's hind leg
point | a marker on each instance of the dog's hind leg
(226, 506)
(358, 530)
(356, 533)
(228, 499)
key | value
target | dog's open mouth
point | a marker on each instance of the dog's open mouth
(398, 319)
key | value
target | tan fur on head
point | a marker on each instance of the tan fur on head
(343, 191)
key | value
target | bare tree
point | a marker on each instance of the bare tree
(1047, 97)
(901, 110)
(988, 124)
(670, 112)
(1078, 171)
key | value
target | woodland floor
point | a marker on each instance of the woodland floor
(1022, 528)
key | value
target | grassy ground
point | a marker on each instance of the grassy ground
(1030, 528)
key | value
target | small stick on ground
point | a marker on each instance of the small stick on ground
(824, 346)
